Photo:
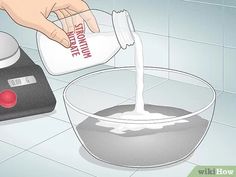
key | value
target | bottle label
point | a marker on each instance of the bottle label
(79, 45)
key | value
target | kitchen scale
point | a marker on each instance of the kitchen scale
(24, 89)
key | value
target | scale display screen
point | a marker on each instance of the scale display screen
(22, 81)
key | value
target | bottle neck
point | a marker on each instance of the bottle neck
(124, 28)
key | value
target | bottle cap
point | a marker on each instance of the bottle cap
(123, 27)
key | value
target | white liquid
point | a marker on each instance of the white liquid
(139, 111)
(139, 106)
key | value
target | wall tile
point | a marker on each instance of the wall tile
(147, 15)
(106, 5)
(155, 52)
(125, 57)
(26, 37)
(202, 60)
(196, 21)
(229, 70)
(230, 26)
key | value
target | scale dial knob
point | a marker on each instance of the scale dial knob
(9, 50)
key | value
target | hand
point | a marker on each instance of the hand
(33, 14)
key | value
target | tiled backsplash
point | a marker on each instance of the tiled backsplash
(148, 16)
(203, 60)
(196, 36)
(196, 21)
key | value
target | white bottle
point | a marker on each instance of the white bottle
(87, 48)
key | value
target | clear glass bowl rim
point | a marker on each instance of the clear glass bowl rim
(139, 121)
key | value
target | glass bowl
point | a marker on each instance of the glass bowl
(95, 101)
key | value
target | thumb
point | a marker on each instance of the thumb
(53, 32)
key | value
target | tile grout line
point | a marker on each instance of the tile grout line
(1, 162)
(58, 89)
(188, 40)
(56, 79)
(192, 163)
(60, 163)
(208, 3)
(22, 151)
(221, 92)
(52, 77)
(166, 80)
(169, 59)
(60, 119)
(225, 91)
(64, 120)
(223, 48)
(224, 124)
(25, 150)
(12, 145)
(29, 151)
(200, 2)
(197, 42)
(132, 175)
(48, 139)
(186, 83)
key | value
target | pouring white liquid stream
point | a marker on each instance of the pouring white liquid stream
(139, 111)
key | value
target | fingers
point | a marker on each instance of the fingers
(72, 16)
(68, 19)
(80, 6)
(53, 32)
(90, 21)
(75, 17)
(62, 19)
